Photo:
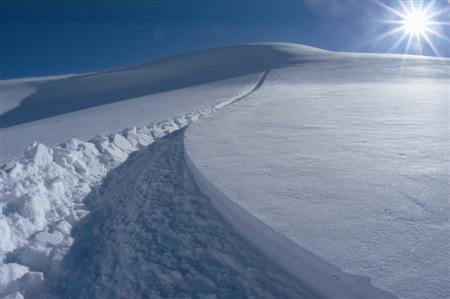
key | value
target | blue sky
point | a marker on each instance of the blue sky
(44, 37)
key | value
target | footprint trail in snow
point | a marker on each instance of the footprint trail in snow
(151, 233)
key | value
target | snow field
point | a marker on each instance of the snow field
(69, 232)
(348, 159)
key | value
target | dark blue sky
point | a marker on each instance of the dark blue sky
(44, 37)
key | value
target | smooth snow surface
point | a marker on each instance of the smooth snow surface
(111, 117)
(348, 157)
(51, 110)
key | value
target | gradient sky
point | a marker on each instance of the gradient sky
(45, 37)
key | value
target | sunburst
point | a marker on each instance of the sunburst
(415, 22)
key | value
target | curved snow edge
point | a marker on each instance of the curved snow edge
(319, 278)
(42, 193)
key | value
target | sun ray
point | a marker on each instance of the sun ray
(406, 50)
(420, 6)
(408, 45)
(405, 8)
(429, 6)
(398, 42)
(438, 34)
(419, 46)
(439, 23)
(431, 45)
(386, 34)
(392, 22)
(391, 9)
(438, 13)
(415, 19)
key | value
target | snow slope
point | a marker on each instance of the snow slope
(347, 158)
(106, 118)
(134, 95)
(150, 233)
(145, 211)
(43, 197)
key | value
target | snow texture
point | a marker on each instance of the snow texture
(347, 158)
(53, 109)
(151, 234)
(42, 197)
(67, 233)
(103, 119)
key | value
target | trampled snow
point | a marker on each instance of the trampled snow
(82, 218)
(150, 233)
(43, 197)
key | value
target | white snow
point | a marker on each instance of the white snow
(347, 158)
(42, 196)
(137, 111)
(151, 234)
(43, 193)
(53, 109)
(84, 217)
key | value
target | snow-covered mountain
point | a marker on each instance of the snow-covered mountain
(321, 171)
(51, 109)
(348, 158)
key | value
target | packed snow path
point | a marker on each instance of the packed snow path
(150, 233)
(42, 196)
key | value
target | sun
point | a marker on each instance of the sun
(415, 22)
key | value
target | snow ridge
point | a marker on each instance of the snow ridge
(151, 233)
(41, 197)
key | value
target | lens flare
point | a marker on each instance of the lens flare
(415, 23)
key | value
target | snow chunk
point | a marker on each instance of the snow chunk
(49, 238)
(39, 154)
(41, 196)
(9, 274)
(16, 295)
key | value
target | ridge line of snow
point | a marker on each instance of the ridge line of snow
(318, 276)
(41, 196)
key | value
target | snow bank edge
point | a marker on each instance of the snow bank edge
(318, 277)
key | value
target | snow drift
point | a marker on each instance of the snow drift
(43, 193)
(53, 109)
(151, 233)
(42, 197)
(348, 159)
(55, 97)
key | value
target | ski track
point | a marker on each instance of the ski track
(43, 195)
(150, 233)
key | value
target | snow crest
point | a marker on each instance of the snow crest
(41, 198)
(151, 233)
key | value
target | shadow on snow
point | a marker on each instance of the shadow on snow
(151, 233)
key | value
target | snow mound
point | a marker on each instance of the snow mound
(42, 194)
(347, 160)
(150, 233)
(73, 93)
